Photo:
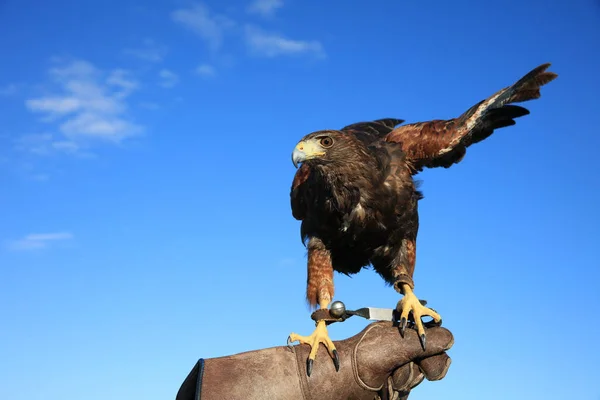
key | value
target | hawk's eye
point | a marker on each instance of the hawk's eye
(326, 142)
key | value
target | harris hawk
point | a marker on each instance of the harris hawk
(355, 195)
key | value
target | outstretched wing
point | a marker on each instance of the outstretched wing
(441, 143)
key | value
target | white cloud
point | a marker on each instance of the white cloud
(66, 146)
(122, 79)
(46, 144)
(37, 241)
(149, 51)
(205, 70)
(55, 105)
(273, 45)
(88, 105)
(209, 26)
(148, 105)
(265, 8)
(35, 143)
(168, 78)
(98, 126)
(8, 90)
(212, 27)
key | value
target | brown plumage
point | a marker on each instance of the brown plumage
(357, 199)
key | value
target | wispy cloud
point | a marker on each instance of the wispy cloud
(37, 241)
(86, 106)
(212, 27)
(123, 83)
(148, 105)
(46, 144)
(205, 70)
(148, 51)
(8, 90)
(168, 78)
(266, 8)
(272, 44)
(200, 20)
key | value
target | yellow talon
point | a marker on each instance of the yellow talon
(411, 304)
(319, 335)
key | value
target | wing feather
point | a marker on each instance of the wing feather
(298, 201)
(442, 143)
(370, 131)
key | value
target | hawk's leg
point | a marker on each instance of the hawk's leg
(319, 291)
(403, 283)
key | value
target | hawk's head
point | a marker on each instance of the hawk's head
(324, 146)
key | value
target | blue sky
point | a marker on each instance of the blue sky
(145, 172)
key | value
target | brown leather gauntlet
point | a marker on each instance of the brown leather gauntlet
(376, 363)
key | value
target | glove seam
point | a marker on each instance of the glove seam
(301, 376)
(406, 386)
(357, 377)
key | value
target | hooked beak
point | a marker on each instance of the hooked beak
(305, 151)
(298, 156)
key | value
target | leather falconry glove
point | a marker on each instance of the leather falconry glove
(377, 363)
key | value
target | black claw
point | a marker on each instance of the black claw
(403, 323)
(289, 343)
(336, 360)
(309, 365)
(423, 341)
